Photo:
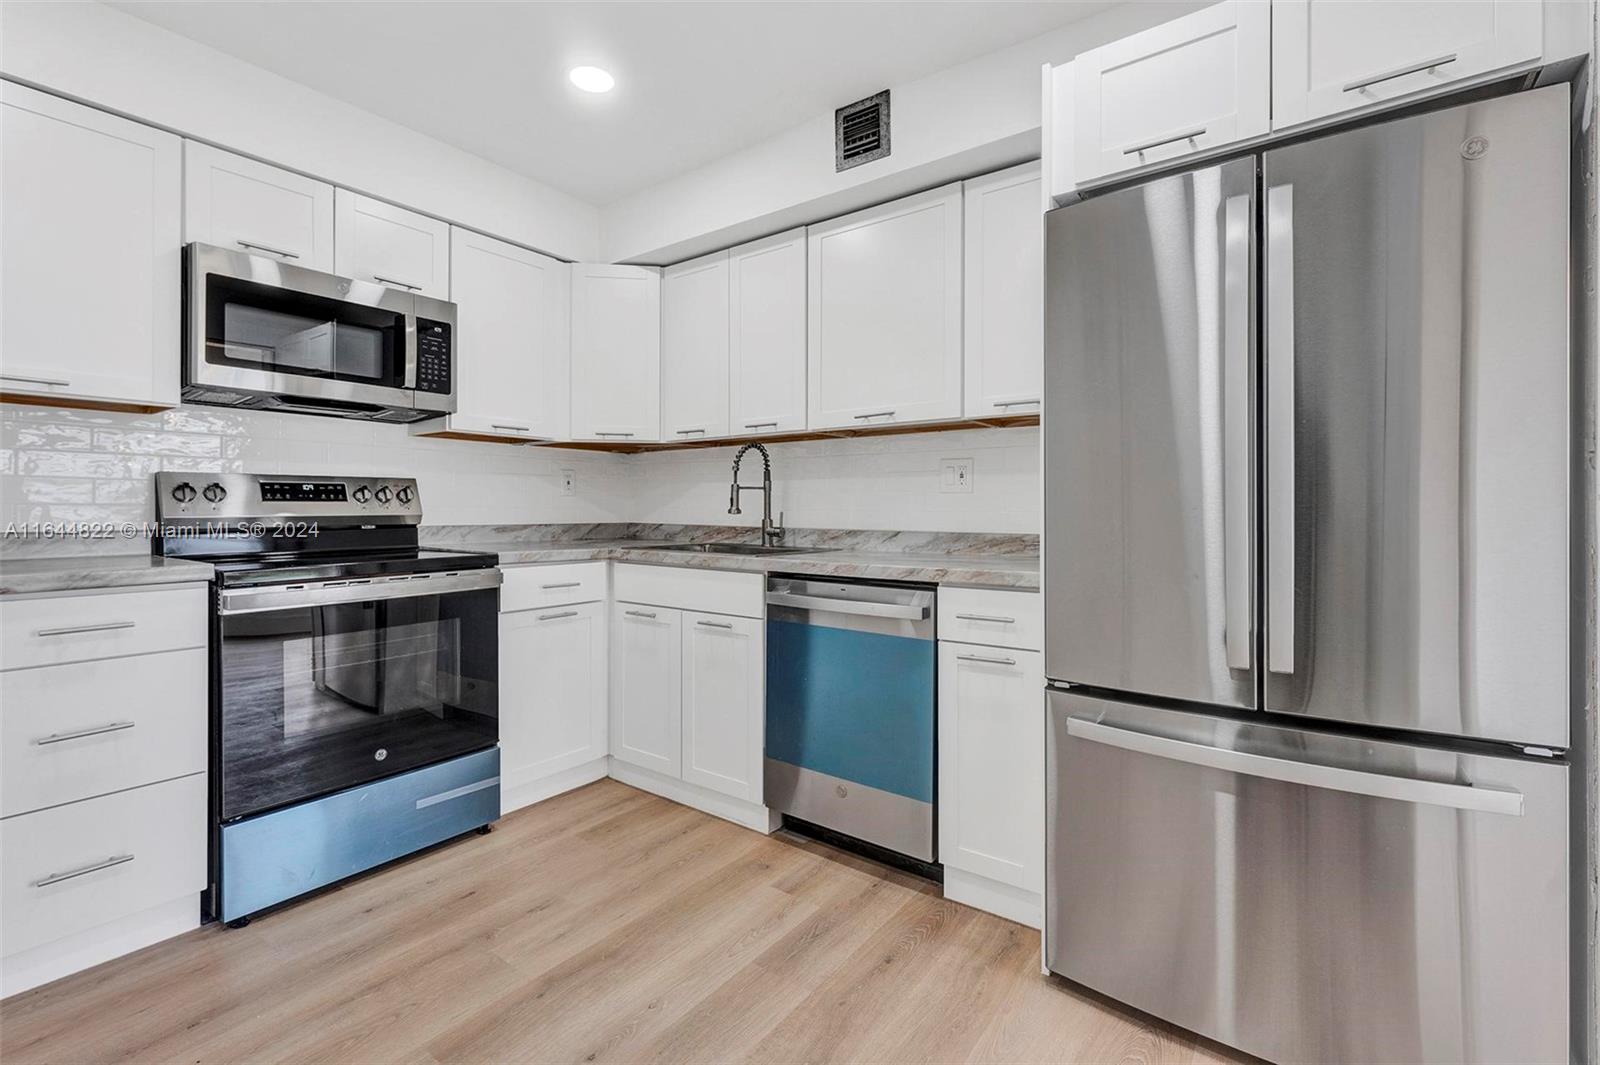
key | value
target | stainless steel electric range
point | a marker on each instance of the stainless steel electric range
(354, 710)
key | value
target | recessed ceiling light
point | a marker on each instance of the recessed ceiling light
(591, 79)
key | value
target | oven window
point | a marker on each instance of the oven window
(317, 699)
(268, 328)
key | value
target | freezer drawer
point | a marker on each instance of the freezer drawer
(1305, 896)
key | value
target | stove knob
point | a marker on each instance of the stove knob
(215, 493)
(405, 495)
(362, 494)
(382, 493)
(183, 492)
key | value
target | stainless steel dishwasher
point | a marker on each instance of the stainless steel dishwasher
(851, 706)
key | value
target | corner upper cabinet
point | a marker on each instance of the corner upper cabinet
(1187, 86)
(377, 241)
(884, 313)
(616, 353)
(1332, 56)
(1004, 325)
(767, 335)
(240, 204)
(513, 371)
(90, 255)
(694, 349)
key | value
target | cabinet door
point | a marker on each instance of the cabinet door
(694, 349)
(514, 368)
(1186, 86)
(616, 353)
(884, 324)
(552, 691)
(724, 670)
(1330, 56)
(90, 253)
(767, 335)
(238, 203)
(377, 241)
(1004, 293)
(991, 763)
(646, 687)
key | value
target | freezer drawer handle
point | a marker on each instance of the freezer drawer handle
(1311, 775)
(1399, 72)
(848, 606)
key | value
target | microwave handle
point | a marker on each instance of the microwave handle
(410, 380)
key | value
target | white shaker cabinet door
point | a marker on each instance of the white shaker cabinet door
(552, 692)
(616, 353)
(377, 241)
(1186, 86)
(767, 335)
(694, 349)
(724, 669)
(240, 204)
(90, 254)
(646, 687)
(884, 324)
(1004, 294)
(1332, 56)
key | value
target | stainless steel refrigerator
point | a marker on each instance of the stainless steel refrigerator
(1307, 500)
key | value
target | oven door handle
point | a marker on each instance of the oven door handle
(329, 593)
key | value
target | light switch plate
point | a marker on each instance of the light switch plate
(569, 482)
(955, 475)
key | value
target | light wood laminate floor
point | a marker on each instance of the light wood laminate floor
(603, 925)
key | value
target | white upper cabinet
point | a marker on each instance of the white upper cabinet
(513, 368)
(238, 203)
(1004, 293)
(884, 324)
(767, 335)
(724, 672)
(376, 241)
(1186, 86)
(616, 353)
(694, 349)
(90, 254)
(1330, 56)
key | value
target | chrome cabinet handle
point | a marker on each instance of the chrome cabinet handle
(561, 584)
(35, 380)
(1399, 72)
(1237, 602)
(639, 613)
(1145, 146)
(986, 617)
(73, 630)
(396, 284)
(82, 734)
(715, 624)
(56, 878)
(987, 660)
(760, 425)
(686, 432)
(558, 614)
(511, 428)
(599, 433)
(1008, 403)
(1280, 429)
(268, 250)
(1308, 774)
(874, 414)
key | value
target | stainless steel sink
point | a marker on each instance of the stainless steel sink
(738, 549)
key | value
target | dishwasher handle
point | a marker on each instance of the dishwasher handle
(905, 611)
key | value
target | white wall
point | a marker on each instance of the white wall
(981, 115)
(102, 56)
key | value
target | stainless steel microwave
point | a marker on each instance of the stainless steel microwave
(264, 334)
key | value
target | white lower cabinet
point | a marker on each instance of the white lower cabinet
(646, 674)
(723, 700)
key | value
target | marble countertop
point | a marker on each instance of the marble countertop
(71, 572)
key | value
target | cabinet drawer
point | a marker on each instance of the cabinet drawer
(531, 587)
(999, 619)
(711, 591)
(73, 867)
(74, 731)
(76, 628)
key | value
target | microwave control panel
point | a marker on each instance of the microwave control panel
(433, 356)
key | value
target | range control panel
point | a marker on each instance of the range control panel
(191, 498)
(433, 356)
(303, 492)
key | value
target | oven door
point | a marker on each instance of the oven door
(329, 685)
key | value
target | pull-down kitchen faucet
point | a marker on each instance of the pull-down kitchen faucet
(770, 533)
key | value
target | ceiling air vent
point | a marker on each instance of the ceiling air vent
(861, 131)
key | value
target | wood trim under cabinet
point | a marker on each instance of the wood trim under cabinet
(1007, 422)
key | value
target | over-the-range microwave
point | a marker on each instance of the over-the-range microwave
(264, 334)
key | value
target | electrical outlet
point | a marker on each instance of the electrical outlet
(569, 482)
(955, 475)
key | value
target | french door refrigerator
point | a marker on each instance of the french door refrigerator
(1306, 578)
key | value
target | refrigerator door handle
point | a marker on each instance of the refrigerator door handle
(1236, 520)
(1280, 429)
(1309, 774)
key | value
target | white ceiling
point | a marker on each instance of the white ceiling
(695, 81)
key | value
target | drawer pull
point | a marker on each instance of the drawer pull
(56, 878)
(52, 382)
(987, 660)
(1009, 403)
(397, 284)
(623, 435)
(511, 428)
(1400, 72)
(874, 414)
(82, 734)
(558, 614)
(639, 613)
(562, 584)
(987, 617)
(716, 624)
(1145, 146)
(72, 630)
(760, 425)
(270, 251)
(686, 432)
